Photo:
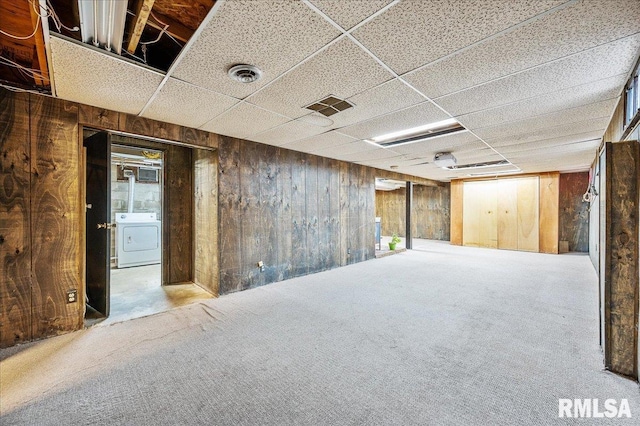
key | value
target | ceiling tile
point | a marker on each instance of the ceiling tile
(244, 121)
(583, 25)
(366, 156)
(324, 141)
(350, 13)
(592, 65)
(342, 70)
(417, 115)
(414, 33)
(185, 104)
(593, 111)
(346, 149)
(565, 130)
(524, 147)
(385, 98)
(608, 88)
(272, 35)
(288, 132)
(87, 76)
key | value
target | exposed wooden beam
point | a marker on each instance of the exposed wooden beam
(142, 9)
(38, 39)
(175, 29)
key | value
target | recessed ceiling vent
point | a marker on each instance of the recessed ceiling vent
(330, 105)
(244, 73)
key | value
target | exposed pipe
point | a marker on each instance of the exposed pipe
(132, 182)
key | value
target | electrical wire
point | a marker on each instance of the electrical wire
(35, 30)
(31, 71)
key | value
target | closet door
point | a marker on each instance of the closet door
(471, 200)
(508, 214)
(528, 214)
(479, 218)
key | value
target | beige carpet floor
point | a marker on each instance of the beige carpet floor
(440, 335)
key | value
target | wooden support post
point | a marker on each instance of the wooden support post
(619, 254)
(142, 10)
(409, 201)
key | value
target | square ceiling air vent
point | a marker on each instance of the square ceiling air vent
(330, 105)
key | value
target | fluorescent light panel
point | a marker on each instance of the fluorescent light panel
(414, 130)
(102, 23)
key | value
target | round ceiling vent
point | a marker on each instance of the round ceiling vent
(244, 73)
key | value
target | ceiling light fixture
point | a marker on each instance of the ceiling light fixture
(445, 160)
(484, 165)
(415, 130)
(502, 172)
(244, 73)
(102, 23)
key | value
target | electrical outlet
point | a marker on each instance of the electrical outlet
(261, 266)
(348, 251)
(72, 296)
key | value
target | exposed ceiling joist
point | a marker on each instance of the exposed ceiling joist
(142, 11)
(174, 28)
(43, 78)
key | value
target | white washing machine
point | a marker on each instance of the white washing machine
(139, 239)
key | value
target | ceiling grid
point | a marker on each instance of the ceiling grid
(534, 83)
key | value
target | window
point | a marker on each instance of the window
(632, 97)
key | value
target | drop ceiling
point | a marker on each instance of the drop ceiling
(533, 82)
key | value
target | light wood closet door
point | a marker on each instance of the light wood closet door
(480, 219)
(508, 214)
(528, 214)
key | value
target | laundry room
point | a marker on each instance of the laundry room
(136, 205)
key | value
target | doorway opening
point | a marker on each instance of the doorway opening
(127, 229)
(390, 215)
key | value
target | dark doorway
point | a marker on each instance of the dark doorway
(98, 235)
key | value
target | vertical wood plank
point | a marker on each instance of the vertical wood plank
(325, 227)
(299, 215)
(179, 215)
(206, 267)
(15, 219)
(344, 213)
(354, 216)
(251, 234)
(311, 195)
(370, 214)
(229, 214)
(268, 215)
(284, 220)
(55, 209)
(549, 212)
(334, 230)
(457, 195)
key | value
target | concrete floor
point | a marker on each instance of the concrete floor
(137, 292)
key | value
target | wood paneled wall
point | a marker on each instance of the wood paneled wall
(430, 213)
(295, 212)
(39, 216)
(574, 213)
(548, 210)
